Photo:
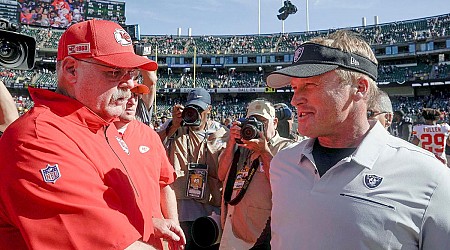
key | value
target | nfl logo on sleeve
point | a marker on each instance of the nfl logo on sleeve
(51, 173)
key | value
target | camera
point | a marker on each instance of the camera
(17, 51)
(250, 128)
(191, 116)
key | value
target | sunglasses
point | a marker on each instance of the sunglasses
(116, 74)
(372, 114)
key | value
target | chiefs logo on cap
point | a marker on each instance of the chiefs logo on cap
(122, 37)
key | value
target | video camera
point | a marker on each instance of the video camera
(142, 49)
(191, 116)
(17, 51)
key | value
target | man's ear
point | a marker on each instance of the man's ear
(68, 67)
(362, 88)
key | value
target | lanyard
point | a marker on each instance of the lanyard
(203, 142)
(232, 177)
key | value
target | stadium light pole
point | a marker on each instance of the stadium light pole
(259, 17)
(195, 62)
(282, 21)
(307, 16)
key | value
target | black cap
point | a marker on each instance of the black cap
(312, 59)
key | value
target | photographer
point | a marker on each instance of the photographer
(194, 143)
(244, 168)
(8, 110)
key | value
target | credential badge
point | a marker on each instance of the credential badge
(372, 181)
(51, 173)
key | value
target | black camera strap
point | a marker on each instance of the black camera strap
(232, 177)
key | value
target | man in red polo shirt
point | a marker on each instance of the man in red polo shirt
(145, 146)
(68, 181)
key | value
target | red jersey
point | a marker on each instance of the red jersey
(68, 182)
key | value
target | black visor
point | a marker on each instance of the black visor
(311, 59)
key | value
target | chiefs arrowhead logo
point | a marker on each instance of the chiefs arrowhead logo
(122, 37)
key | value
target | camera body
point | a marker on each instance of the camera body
(191, 116)
(250, 128)
(17, 51)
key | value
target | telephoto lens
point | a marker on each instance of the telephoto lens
(191, 116)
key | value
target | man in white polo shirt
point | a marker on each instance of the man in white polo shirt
(351, 185)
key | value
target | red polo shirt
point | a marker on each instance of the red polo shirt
(145, 146)
(98, 196)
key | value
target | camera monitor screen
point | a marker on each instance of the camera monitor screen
(51, 13)
(8, 10)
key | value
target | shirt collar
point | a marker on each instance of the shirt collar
(371, 146)
(68, 108)
(366, 153)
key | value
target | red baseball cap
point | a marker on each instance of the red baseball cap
(140, 89)
(104, 41)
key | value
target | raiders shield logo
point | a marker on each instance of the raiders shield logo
(372, 181)
(51, 173)
(298, 53)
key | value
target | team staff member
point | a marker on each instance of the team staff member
(247, 208)
(351, 185)
(68, 181)
(381, 109)
(145, 146)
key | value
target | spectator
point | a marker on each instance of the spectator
(194, 144)
(63, 157)
(244, 167)
(351, 174)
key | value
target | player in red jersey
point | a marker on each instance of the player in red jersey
(432, 136)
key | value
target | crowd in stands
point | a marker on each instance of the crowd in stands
(387, 33)
(56, 14)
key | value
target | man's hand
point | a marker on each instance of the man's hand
(171, 231)
(176, 115)
(258, 146)
(235, 134)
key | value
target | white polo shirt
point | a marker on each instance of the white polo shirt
(389, 194)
